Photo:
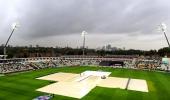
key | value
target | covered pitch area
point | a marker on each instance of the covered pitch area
(77, 86)
(24, 85)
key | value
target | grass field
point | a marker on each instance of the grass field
(21, 86)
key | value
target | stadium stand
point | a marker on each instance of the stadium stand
(124, 61)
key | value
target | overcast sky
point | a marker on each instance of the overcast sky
(121, 23)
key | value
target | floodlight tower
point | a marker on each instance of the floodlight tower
(14, 27)
(163, 29)
(84, 33)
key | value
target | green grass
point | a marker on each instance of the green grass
(21, 86)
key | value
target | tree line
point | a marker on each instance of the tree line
(24, 51)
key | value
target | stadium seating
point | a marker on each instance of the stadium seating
(23, 64)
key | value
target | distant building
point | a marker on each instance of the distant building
(114, 48)
(103, 48)
(108, 47)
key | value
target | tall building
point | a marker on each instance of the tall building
(108, 47)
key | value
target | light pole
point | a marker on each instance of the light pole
(84, 33)
(163, 29)
(14, 27)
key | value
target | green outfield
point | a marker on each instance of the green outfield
(22, 86)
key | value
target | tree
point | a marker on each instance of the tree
(164, 51)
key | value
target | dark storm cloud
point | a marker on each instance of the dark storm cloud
(41, 18)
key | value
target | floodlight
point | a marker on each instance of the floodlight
(83, 33)
(14, 27)
(163, 27)
(84, 40)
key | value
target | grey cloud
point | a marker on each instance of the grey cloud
(46, 18)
